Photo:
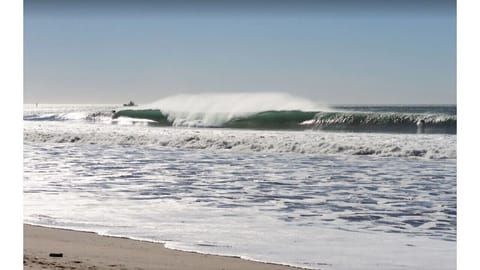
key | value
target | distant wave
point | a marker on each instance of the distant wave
(274, 111)
(385, 121)
(275, 120)
(261, 120)
(70, 116)
(295, 119)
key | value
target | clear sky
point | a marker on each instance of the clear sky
(337, 52)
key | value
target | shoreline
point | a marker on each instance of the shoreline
(89, 250)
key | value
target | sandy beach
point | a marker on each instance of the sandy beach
(83, 250)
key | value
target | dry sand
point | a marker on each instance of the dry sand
(83, 250)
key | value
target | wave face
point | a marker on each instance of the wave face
(154, 115)
(301, 120)
(385, 121)
(271, 120)
(261, 120)
(280, 111)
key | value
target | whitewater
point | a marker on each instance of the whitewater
(353, 187)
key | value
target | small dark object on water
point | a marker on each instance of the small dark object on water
(131, 103)
(56, 255)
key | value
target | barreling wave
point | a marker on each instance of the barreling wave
(154, 115)
(300, 120)
(273, 111)
(234, 110)
(261, 120)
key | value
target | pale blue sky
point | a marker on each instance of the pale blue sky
(341, 56)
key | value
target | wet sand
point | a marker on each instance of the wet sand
(83, 250)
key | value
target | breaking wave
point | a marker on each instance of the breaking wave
(270, 111)
(348, 121)
(428, 146)
(281, 111)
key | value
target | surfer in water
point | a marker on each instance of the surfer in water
(421, 126)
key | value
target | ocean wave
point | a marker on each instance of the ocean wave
(295, 119)
(385, 121)
(426, 146)
(68, 116)
(267, 111)
(272, 120)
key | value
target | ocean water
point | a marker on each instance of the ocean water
(366, 193)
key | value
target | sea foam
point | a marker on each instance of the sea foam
(214, 109)
(429, 146)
